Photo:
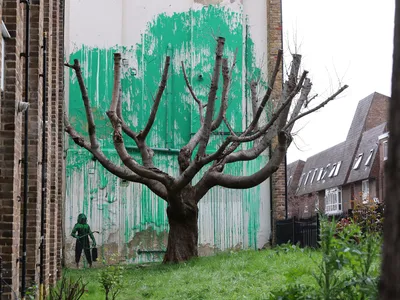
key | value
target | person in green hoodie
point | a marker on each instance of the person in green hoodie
(82, 232)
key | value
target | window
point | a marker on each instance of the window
(332, 171)
(369, 158)
(358, 161)
(4, 35)
(301, 179)
(316, 202)
(326, 171)
(313, 176)
(320, 174)
(337, 168)
(385, 150)
(308, 175)
(290, 180)
(365, 191)
(333, 201)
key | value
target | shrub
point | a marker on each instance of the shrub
(342, 244)
(369, 217)
(111, 279)
(68, 289)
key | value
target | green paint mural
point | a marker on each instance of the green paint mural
(187, 37)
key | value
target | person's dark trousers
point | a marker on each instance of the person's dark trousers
(78, 252)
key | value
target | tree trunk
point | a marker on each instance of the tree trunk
(390, 277)
(182, 215)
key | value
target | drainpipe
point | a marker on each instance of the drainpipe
(286, 188)
(44, 168)
(25, 160)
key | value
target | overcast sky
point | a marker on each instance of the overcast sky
(350, 41)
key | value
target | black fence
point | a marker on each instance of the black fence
(304, 232)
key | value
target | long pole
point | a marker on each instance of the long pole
(25, 199)
(44, 167)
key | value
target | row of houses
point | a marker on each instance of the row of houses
(351, 172)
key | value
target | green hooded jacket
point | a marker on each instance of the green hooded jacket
(82, 232)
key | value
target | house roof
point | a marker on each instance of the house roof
(293, 172)
(321, 163)
(336, 163)
(365, 154)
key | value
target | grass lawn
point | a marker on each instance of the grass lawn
(235, 275)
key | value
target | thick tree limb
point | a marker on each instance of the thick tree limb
(143, 134)
(146, 153)
(118, 171)
(206, 129)
(244, 182)
(118, 140)
(305, 91)
(268, 93)
(86, 102)
(193, 94)
(254, 99)
(224, 97)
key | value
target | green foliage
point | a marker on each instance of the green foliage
(68, 289)
(231, 275)
(111, 279)
(348, 268)
(31, 291)
(369, 217)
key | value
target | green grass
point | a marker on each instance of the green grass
(235, 275)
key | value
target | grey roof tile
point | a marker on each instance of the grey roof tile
(368, 146)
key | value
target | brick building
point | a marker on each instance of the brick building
(350, 172)
(46, 16)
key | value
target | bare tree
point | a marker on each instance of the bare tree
(181, 194)
(390, 279)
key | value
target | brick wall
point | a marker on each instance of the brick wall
(60, 151)
(274, 44)
(46, 16)
(11, 148)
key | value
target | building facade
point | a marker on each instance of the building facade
(46, 19)
(351, 172)
(131, 220)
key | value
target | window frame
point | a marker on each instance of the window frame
(365, 191)
(4, 35)
(369, 158)
(333, 201)
(385, 150)
(358, 161)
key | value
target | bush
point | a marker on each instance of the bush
(68, 289)
(111, 279)
(342, 244)
(369, 217)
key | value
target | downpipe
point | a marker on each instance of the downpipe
(44, 168)
(25, 159)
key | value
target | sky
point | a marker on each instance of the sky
(341, 42)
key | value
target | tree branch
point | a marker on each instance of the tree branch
(143, 134)
(317, 107)
(275, 115)
(206, 130)
(193, 94)
(244, 182)
(224, 98)
(118, 171)
(86, 102)
(268, 93)
(118, 140)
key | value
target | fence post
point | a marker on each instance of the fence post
(294, 230)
